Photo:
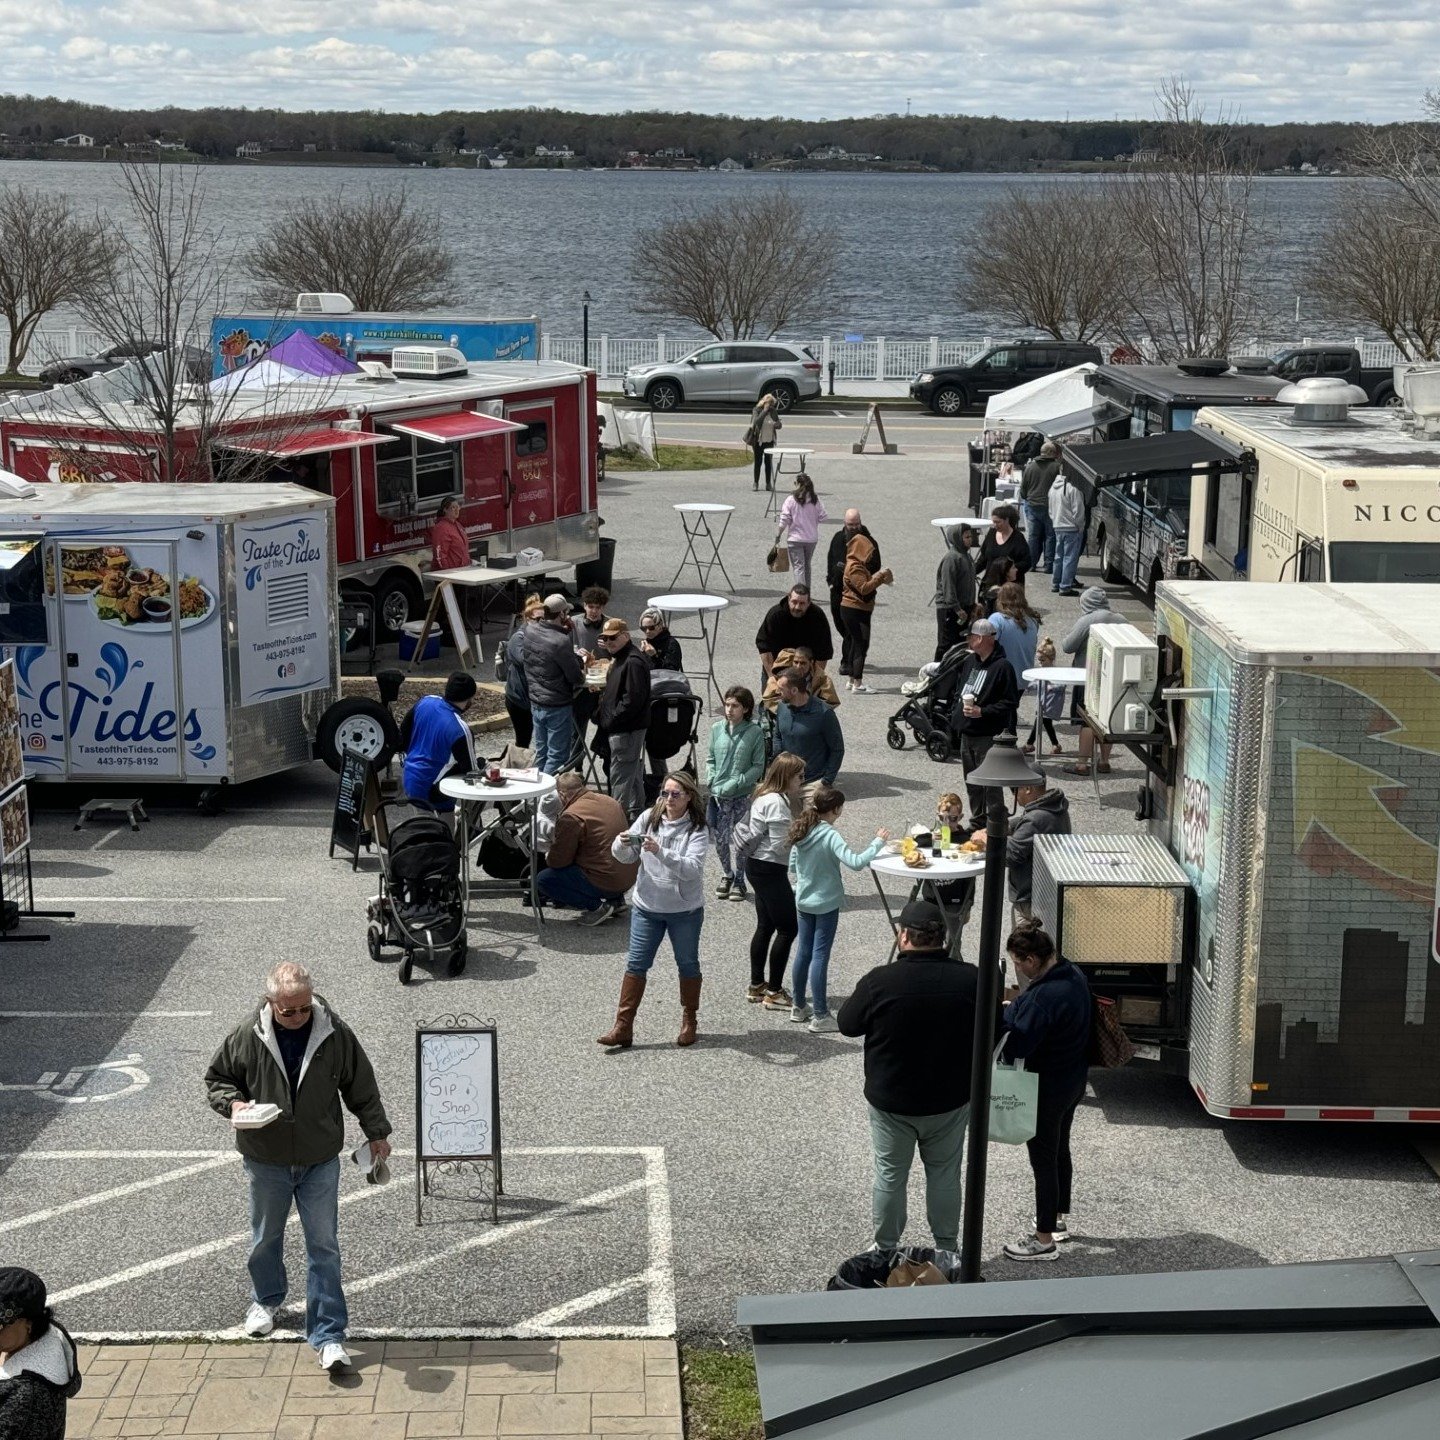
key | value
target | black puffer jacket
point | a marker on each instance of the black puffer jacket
(37, 1382)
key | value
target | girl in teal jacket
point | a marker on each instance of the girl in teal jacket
(817, 853)
(733, 767)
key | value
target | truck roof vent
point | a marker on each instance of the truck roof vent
(1202, 365)
(323, 302)
(1419, 390)
(1321, 400)
(428, 362)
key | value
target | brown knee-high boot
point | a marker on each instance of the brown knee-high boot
(622, 1033)
(689, 1009)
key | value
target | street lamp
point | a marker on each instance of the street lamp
(1003, 768)
(585, 327)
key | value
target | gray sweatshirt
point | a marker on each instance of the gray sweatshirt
(1067, 504)
(771, 814)
(673, 881)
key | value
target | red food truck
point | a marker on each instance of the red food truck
(514, 441)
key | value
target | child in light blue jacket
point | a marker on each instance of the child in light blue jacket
(817, 853)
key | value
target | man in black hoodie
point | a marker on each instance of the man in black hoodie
(918, 1020)
(1042, 812)
(986, 702)
(624, 715)
(835, 575)
(38, 1367)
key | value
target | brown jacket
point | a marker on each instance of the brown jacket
(859, 584)
(582, 837)
(821, 686)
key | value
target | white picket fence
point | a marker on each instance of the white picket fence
(876, 359)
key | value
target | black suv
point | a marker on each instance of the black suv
(955, 388)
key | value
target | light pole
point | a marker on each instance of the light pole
(585, 327)
(1003, 768)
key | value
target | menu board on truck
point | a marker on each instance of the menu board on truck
(281, 607)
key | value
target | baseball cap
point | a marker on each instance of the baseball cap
(22, 1295)
(922, 915)
(982, 627)
(614, 626)
(556, 605)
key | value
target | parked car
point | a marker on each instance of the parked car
(742, 370)
(81, 367)
(954, 388)
(1338, 362)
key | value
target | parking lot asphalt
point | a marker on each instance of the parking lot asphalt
(645, 1190)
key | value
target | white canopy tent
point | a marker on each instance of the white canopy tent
(1053, 405)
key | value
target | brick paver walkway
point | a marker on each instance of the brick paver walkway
(399, 1389)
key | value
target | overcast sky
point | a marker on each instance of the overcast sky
(1276, 60)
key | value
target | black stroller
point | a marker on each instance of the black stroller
(674, 724)
(927, 712)
(421, 904)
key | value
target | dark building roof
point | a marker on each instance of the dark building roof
(1172, 386)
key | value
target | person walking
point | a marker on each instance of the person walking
(1035, 482)
(624, 715)
(39, 1367)
(955, 587)
(297, 1054)
(989, 699)
(761, 437)
(435, 740)
(517, 697)
(1048, 1026)
(917, 1018)
(800, 518)
(817, 852)
(857, 606)
(835, 575)
(1094, 610)
(806, 726)
(793, 622)
(580, 870)
(669, 842)
(778, 799)
(1069, 504)
(553, 678)
(1003, 541)
(734, 764)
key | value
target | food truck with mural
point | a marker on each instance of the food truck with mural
(1282, 946)
(513, 441)
(176, 634)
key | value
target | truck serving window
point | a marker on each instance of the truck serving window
(412, 473)
(23, 620)
(1372, 562)
(534, 439)
(1227, 520)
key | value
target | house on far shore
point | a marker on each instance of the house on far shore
(829, 152)
(169, 144)
(495, 159)
(250, 150)
(554, 152)
(729, 164)
(81, 142)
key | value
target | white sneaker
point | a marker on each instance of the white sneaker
(334, 1357)
(259, 1319)
(799, 1014)
(823, 1025)
(863, 689)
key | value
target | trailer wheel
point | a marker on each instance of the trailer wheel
(356, 724)
(398, 600)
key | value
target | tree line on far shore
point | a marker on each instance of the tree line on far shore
(944, 142)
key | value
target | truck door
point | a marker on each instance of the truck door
(532, 464)
(484, 508)
(122, 704)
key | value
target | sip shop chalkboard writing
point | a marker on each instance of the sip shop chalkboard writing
(357, 801)
(457, 1105)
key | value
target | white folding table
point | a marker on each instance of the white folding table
(695, 518)
(707, 608)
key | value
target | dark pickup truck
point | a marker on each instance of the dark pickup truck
(1337, 362)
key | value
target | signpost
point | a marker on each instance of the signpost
(872, 417)
(457, 1107)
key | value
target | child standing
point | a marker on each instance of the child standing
(733, 766)
(817, 853)
(1049, 702)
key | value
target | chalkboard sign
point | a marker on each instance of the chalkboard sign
(457, 1102)
(357, 799)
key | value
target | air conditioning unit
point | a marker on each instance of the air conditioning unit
(323, 302)
(1122, 674)
(428, 362)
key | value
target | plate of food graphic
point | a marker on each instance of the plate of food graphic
(140, 599)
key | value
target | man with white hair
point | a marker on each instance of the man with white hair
(296, 1056)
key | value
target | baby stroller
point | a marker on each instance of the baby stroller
(927, 712)
(420, 905)
(674, 724)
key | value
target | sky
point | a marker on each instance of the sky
(1043, 59)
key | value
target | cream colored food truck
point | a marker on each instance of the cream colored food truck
(1347, 499)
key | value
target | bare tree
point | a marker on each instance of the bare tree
(1408, 156)
(1381, 263)
(49, 257)
(1053, 260)
(746, 267)
(380, 249)
(1192, 216)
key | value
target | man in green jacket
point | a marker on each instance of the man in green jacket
(296, 1054)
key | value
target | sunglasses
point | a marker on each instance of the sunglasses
(674, 794)
(648, 628)
(286, 1012)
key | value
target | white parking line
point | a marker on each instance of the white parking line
(162, 899)
(547, 1319)
(105, 1014)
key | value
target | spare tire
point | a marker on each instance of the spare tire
(356, 724)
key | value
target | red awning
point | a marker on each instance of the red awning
(451, 429)
(306, 442)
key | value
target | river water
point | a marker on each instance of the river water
(532, 241)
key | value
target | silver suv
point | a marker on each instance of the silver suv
(735, 370)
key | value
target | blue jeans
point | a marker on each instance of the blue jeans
(1068, 544)
(1040, 533)
(813, 941)
(569, 886)
(649, 927)
(554, 738)
(315, 1192)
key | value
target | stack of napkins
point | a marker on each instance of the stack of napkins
(255, 1117)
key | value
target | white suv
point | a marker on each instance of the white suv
(735, 370)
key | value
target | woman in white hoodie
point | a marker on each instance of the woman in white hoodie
(38, 1368)
(670, 843)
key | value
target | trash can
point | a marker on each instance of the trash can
(601, 570)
